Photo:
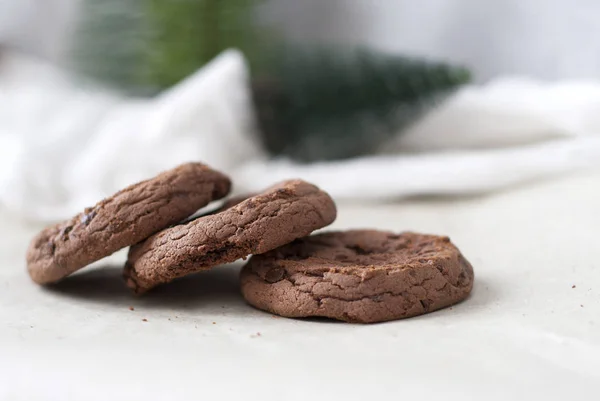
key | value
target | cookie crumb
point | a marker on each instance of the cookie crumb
(258, 333)
(131, 308)
(214, 322)
(144, 320)
(581, 306)
(573, 286)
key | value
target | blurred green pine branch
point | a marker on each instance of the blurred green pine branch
(328, 103)
(186, 34)
(313, 103)
(107, 42)
(144, 46)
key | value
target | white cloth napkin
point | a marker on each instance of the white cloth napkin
(64, 146)
(484, 138)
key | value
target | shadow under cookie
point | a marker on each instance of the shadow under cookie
(104, 285)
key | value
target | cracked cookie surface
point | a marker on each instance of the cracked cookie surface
(362, 276)
(284, 212)
(127, 217)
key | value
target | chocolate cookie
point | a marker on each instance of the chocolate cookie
(358, 276)
(284, 212)
(123, 219)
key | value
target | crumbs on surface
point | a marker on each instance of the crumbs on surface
(573, 286)
(144, 320)
(131, 308)
(214, 322)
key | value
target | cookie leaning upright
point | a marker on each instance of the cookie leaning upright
(361, 276)
(126, 218)
(284, 212)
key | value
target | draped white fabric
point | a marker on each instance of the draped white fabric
(63, 147)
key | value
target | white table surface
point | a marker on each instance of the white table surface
(524, 334)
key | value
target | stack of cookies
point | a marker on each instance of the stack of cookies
(356, 276)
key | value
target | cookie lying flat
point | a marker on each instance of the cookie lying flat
(123, 219)
(358, 276)
(284, 212)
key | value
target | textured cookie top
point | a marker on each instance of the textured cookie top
(359, 252)
(282, 213)
(123, 219)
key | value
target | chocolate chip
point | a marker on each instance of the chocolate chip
(358, 249)
(64, 233)
(274, 275)
(425, 304)
(88, 216)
